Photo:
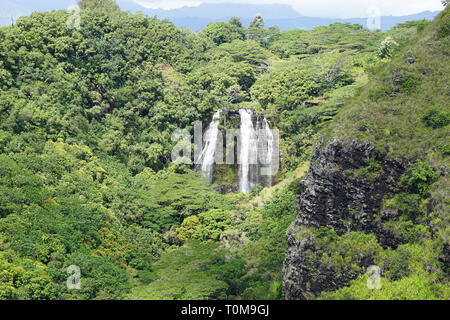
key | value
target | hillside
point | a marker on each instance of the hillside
(377, 189)
(87, 117)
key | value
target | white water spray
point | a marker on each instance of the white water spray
(208, 154)
(248, 155)
(268, 137)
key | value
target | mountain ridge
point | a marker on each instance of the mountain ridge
(303, 22)
(197, 18)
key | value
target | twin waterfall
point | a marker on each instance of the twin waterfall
(208, 154)
(255, 150)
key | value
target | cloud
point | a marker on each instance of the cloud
(318, 8)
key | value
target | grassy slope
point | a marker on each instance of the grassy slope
(394, 122)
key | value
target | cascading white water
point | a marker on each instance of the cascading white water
(248, 155)
(268, 136)
(254, 142)
(208, 153)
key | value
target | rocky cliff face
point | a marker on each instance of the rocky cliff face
(343, 190)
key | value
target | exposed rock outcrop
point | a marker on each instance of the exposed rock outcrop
(341, 193)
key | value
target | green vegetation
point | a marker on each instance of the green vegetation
(444, 25)
(194, 271)
(419, 176)
(109, 7)
(395, 106)
(404, 110)
(436, 118)
(226, 254)
(222, 32)
(387, 48)
(410, 274)
(86, 120)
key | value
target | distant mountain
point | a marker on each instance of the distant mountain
(284, 16)
(10, 8)
(197, 18)
(306, 23)
(222, 11)
(16, 8)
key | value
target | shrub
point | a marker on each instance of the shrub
(213, 223)
(444, 25)
(407, 230)
(283, 204)
(280, 50)
(313, 50)
(256, 190)
(296, 186)
(419, 176)
(380, 93)
(387, 48)
(222, 32)
(436, 118)
(147, 276)
(371, 169)
(405, 203)
(189, 226)
(446, 150)
(409, 84)
(396, 264)
(421, 25)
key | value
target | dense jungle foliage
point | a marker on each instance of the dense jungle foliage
(86, 122)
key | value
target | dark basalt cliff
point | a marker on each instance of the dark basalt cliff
(333, 196)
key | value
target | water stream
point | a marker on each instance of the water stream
(208, 153)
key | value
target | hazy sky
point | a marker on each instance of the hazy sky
(320, 8)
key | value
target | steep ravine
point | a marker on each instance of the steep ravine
(333, 196)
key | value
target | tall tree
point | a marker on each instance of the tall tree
(222, 32)
(110, 7)
(256, 30)
(258, 22)
(236, 21)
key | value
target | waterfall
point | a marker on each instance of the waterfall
(208, 153)
(268, 137)
(248, 154)
(255, 151)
